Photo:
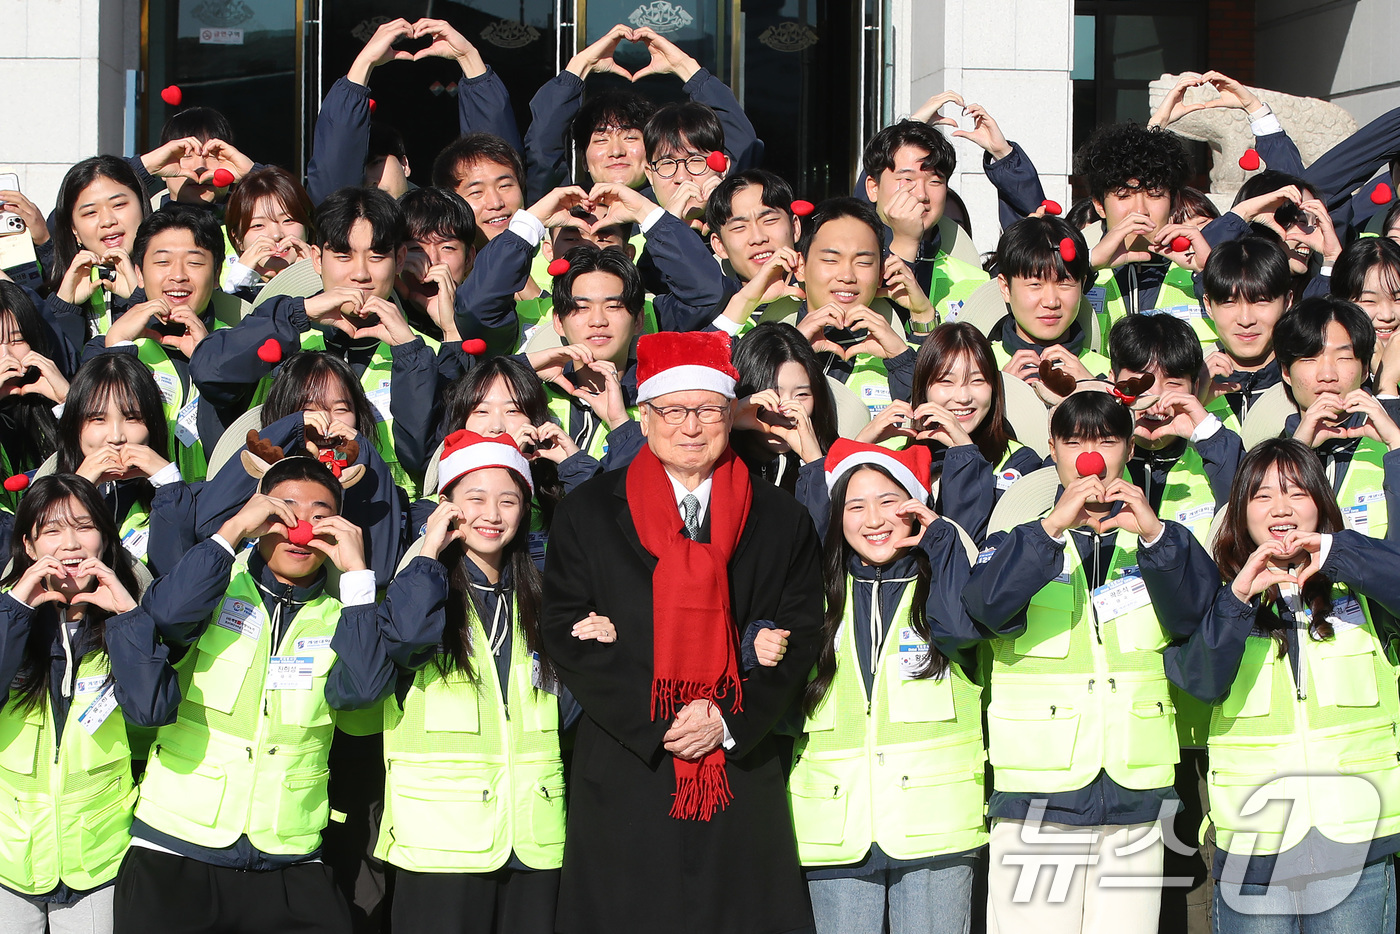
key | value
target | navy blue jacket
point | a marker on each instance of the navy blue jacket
(1336, 458)
(1015, 565)
(554, 105)
(1221, 454)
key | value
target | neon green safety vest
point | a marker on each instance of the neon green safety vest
(1338, 729)
(1096, 363)
(785, 308)
(1220, 408)
(181, 407)
(248, 752)
(1076, 694)
(1176, 297)
(902, 768)
(594, 442)
(470, 778)
(377, 381)
(951, 282)
(99, 305)
(870, 381)
(1188, 500)
(1362, 494)
(136, 532)
(65, 808)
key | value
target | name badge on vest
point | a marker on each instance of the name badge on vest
(1006, 478)
(312, 643)
(1346, 612)
(913, 653)
(1187, 313)
(100, 709)
(1124, 595)
(876, 398)
(537, 679)
(1096, 297)
(1067, 572)
(136, 542)
(187, 423)
(290, 672)
(168, 385)
(241, 617)
(381, 398)
(1357, 517)
(1196, 513)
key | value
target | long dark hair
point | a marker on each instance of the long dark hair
(466, 393)
(303, 379)
(46, 499)
(27, 424)
(936, 357)
(81, 175)
(1297, 466)
(836, 555)
(126, 379)
(462, 599)
(761, 353)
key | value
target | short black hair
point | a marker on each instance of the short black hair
(676, 124)
(1030, 249)
(1091, 416)
(624, 109)
(587, 258)
(385, 141)
(1359, 258)
(1141, 341)
(834, 209)
(301, 467)
(879, 152)
(1250, 269)
(203, 123)
(1119, 153)
(438, 212)
(777, 193)
(473, 148)
(201, 223)
(1302, 330)
(1267, 181)
(338, 213)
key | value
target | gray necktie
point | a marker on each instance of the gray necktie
(690, 512)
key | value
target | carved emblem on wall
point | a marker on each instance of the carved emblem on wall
(508, 34)
(661, 15)
(790, 36)
(223, 12)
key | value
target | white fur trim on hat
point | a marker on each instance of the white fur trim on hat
(685, 378)
(481, 455)
(897, 469)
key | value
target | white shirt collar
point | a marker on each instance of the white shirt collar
(701, 492)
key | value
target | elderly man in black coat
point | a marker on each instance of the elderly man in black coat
(728, 861)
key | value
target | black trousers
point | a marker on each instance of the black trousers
(506, 901)
(159, 893)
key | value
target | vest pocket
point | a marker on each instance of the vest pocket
(1048, 620)
(1251, 694)
(1034, 739)
(818, 811)
(103, 833)
(19, 743)
(547, 812)
(306, 708)
(921, 700)
(180, 784)
(302, 807)
(1151, 735)
(17, 838)
(1139, 631)
(1344, 675)
(451, 706)
(453, 809)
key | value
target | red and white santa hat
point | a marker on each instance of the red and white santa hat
(465, 451)
(911, 468)
(674, 361)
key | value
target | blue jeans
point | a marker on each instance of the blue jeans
(1346, 903)
(933, 899)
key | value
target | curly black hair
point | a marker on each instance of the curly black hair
(1118, 153)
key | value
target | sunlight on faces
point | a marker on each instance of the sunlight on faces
(599, 320)
(12, 342)
(666, 187)
(361, 268)
(1161, 385)
(1246, 328)
(388, 174)
(794, 385)
(1380, 299)
(105, 216)
(498, 412)
(493, 192)
(1132, 198)
(117, 422)
(69, 535)
(565, 239)
(692, 447)
(177, 270)
(1116, 453)
(1278, 507)
(753, 233)
(909, 174)
(963, 390)
(310, 501)
(843, 264)
(434, 250)
(1336, 369)
(617, 154)
(332, 398)
(868, 517)
(1043, 308)
(270, 218)
(493, 509)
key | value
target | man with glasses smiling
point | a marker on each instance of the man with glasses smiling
(677, 806)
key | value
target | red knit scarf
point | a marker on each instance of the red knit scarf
(696, 651)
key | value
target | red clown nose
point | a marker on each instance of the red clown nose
(803, 208)
(1089, 464)
(300, 534)
(1051, 207)
(558, 267)
(222, 178)
(1067, 250)
(475, 347)
(717, 161)
(1180, 244)
(16, 483)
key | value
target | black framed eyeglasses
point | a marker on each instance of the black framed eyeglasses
(666, 168)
